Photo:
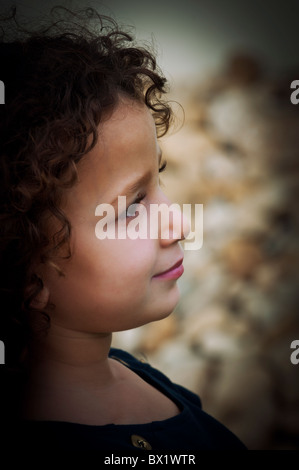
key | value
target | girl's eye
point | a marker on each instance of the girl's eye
(131, 210)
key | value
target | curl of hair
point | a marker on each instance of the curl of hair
(59, 80)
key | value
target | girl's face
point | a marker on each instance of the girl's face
(112, 284)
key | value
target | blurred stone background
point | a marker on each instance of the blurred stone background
(229, 338)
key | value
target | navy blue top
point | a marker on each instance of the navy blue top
(191, 430)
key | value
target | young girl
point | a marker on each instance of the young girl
(80, 126)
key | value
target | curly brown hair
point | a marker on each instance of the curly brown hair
(59, 80)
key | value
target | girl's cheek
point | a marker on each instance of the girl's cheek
(134, 256)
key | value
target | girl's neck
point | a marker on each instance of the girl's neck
(64, 357)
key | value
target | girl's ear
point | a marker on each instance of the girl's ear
(40, 301)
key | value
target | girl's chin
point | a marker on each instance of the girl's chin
(169, 303)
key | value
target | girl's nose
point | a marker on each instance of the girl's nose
(174, 226)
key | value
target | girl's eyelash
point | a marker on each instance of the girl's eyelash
(163, 166)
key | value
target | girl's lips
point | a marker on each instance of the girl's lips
(172, 273)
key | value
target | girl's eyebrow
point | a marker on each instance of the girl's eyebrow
(143, 180)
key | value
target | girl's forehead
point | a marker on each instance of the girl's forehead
(126, 120)
(128, 135)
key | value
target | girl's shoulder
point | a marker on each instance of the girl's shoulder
(150, 373)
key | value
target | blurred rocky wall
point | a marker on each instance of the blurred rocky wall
(229, 338)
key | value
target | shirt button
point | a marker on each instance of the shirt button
(140, 442)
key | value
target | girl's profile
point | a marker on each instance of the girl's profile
(84, 110)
